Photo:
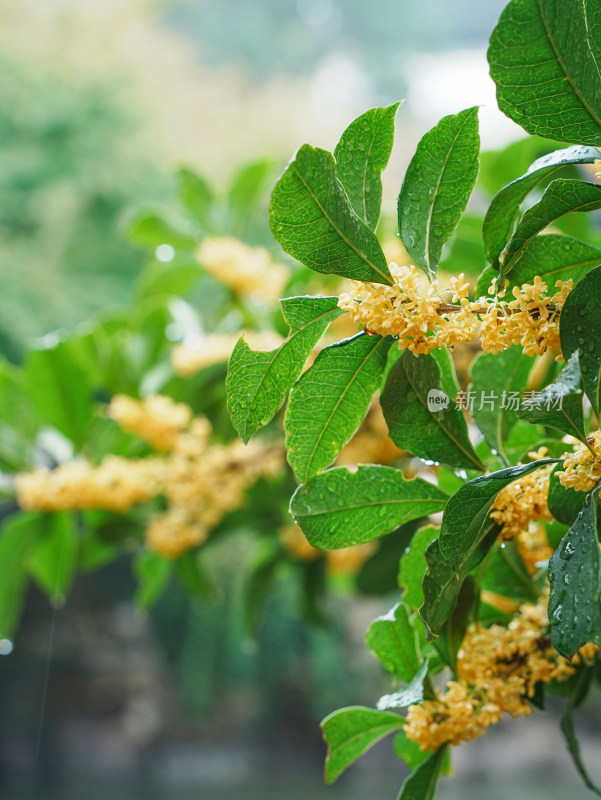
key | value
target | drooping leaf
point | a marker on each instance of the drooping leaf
(507, 575)
(413, 566)
(330, 400)
(497, 381)
(561, 196)
(350, 732)
(559, 405)
(566, 725)
(421, 784)
(454, 629)
(361, 156)
(53, 558)
(554, 258)
(503, 210)
(18, 536)
(418, 423)
(153, 573)
(580, 329)
(437, 186)
(339, 508)
(564, 504)
(410, 695)
(258, 382)
(547, 77)
(393, 640)
(312, 219)
(575, 578)
(60, 390)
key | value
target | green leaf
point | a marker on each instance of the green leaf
(60, 390)
(408, 750)
(566, 725)
(579, 329)
(454, 629)
(575, 578)
(437, 186)
(564, 504)
(554, 258)
(497, 381)
(410, 695)
(350, 732)
(507, 575)
(312, 219)
(415, 424)
(340, 508)
(258, 382)
(547, 77)
(245, 192)
(421, 784)
(504, 208)
(17, 537)
(393, 640)
(361, 155)
(194, 576)
(561, 196)
(559, 405)
(53, 558)
(413, 566)
(19, 420)
(467, 511)
(330, 400)
(153, 573)
(196, 196)
(149, 231)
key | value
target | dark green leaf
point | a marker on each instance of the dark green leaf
(330, 400)
(453, 631)
(498, 380)
(507, 575)
(18, 536)
(554, 258)
(503, 210)
(559, 405)
(580, 329)
(340, 508)
(421, 784)
(438, 185)
(312, 219)
(259, 584)
(564, 504)
(53, 558)
(379, 574)
(410, 695)
(258, 382)
(153, 573)
(393, 640)
(414, 419)
(547, 77)
(60, 390)
(350, 732)
(361, 155)
(575, 577)
(566, 724)
(194, 576)
(561, 196)
(413, 566)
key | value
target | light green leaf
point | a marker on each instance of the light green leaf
(412, 567)
(330, 400)
(408, 750)
(497, 381)
(53, 558)
(393, 640)
(18, 536)
(410, 695)
(258, 382)
(19, 420)
(564, 504)
(575, 578)
(437, 186)
(547, 77)
(153, 573)
(561, 196)
(421, 784)
(554, 258)
(340, 508)
(149, 231)
(245, 191)
(580, 329)
(559, 405)
(415, 423)
(361, 155)
(196, 196)
(350, 732)
(504, 208)
(312, 219)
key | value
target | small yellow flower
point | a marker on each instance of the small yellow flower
(582, 468)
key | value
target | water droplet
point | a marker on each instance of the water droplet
(579, 328)
(591, 346)
(567, 551)
(566, 579)
(557, 614)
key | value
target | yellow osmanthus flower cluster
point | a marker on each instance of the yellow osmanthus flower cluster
(582, 468)
(156, 419)
(249, 271)
(346, 561)
(204, 350)
(201, 482)
(116, 484)
(497, 671)
(414, 311)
